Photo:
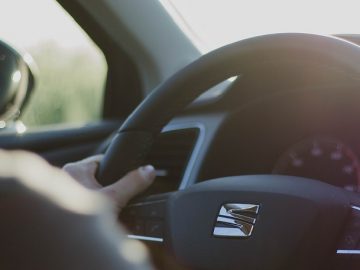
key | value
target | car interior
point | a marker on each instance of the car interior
(255, 144)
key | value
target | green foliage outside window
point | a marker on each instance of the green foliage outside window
(69, 86)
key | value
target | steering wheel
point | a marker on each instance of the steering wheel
(258, 221)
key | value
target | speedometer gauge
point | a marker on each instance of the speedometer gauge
(325, 159)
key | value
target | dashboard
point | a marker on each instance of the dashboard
(295, 120)
(310, 131)
(314, 133)
(323, 158)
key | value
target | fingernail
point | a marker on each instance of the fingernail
(148, 172)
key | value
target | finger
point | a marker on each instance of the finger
(90, 164)
(95, 158)
(84, 171)
(130, 185)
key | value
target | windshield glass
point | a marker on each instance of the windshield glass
(211, 24)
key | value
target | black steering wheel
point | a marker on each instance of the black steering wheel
(252, 222)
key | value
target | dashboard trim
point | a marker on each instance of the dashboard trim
(145, 238)
(184, 182)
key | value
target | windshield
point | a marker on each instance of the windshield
(211, 24)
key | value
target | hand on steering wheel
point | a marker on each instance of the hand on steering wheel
(122, 190)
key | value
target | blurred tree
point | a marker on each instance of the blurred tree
(69, 86)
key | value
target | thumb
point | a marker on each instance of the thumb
(130, 185)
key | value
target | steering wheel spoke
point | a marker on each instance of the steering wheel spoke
(145, 219)
(348, 247)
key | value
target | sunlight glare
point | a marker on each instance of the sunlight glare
(26, 24)
(16, 76)
(219, 22)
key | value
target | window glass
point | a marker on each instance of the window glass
(71, 68)
(211, 24)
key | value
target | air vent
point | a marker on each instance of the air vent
(170, 155)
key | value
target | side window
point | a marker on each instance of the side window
(71, 68)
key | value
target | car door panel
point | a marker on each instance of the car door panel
(60, 145)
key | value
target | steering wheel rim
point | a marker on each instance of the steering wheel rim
(134, 138)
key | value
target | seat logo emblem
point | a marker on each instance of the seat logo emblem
(236, 220)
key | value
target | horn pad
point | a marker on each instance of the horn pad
(256, 222)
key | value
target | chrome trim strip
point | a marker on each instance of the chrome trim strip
(146, 203)
(230, 232)
(145, 238)
(350, 251)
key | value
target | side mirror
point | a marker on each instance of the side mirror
(17, 81)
